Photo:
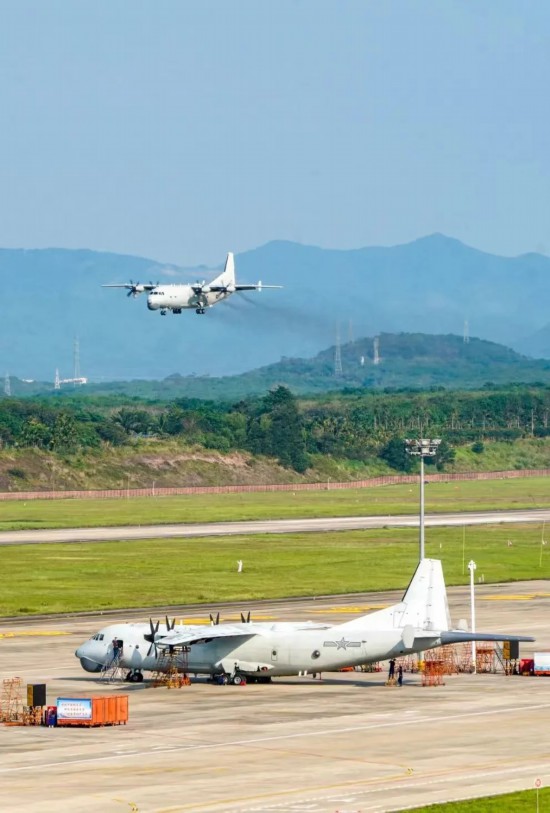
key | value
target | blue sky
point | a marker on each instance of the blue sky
(180, 129)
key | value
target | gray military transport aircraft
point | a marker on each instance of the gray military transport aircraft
(258, 651)
(177, 297)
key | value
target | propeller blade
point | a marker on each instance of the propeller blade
(245, 619)
(214, 621)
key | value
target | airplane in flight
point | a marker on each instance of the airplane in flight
(177, 297)
(235, 653)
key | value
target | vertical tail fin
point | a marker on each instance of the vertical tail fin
(423, 607)
(227, 277)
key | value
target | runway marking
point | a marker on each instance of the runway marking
(525, 597)
(204, 621)
(33, 634)
(347, 789)
(353, 609)
(329, 732)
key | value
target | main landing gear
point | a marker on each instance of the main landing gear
(134, 676)
(200, 310)
(233, 680)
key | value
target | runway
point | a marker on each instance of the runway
(347, 743)
(275, 526)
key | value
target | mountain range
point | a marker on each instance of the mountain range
(432, 285)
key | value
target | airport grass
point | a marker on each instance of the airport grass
(70, 577)
(523, 801)
(468, 495)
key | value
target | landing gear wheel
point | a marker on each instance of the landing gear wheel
(163, 313)
(129, 677)
(139, 677)
(239, 680)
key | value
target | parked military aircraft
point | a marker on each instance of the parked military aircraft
(258, 651)
(177, 297)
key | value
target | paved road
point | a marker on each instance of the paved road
(274, 526)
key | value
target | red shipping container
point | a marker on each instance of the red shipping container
(106, 709)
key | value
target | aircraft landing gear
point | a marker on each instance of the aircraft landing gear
(134, 677)
(176, 310)
(163, 312)
(233, 680)
(200, 310)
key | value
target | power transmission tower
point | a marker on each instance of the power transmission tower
(76, 358)
(7, 386)
(337, 354)
(57, 382)
(376, 350)
(466, 332)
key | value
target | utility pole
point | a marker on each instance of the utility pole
(472, 568)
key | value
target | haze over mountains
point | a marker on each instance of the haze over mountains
(430, 286)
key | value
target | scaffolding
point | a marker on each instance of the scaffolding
(485, 659)
(173, 669)
(11, 700)
(433, 671)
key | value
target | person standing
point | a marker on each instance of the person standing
(400, 675)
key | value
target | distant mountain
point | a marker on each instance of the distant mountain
(406, 360)
(431, 285)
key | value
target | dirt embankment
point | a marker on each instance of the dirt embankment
(140, 467)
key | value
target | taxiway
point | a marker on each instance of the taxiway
(345, 743)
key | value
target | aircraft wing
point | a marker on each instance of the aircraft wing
(186, 637)
(232, 287)
(137, 287)
(257, 287)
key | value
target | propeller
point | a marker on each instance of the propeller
(214, 621)
(136, 288)
(170, 626)
(245, 619)
(150, 636)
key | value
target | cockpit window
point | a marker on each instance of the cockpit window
(97, 637)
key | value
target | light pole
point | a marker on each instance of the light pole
(422, 447)
(472, 567)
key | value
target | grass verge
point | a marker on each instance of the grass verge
(108, 575)
(523, 801)
(401, 499)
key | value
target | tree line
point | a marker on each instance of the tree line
(358, 425)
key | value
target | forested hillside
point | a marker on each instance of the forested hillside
(361, 432)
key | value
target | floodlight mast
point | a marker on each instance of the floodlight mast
(422, 447)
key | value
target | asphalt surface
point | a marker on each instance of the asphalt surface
(346, 743)
(269, 526)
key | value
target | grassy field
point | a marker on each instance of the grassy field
(453, 496)
(70, 577)
(524, 801)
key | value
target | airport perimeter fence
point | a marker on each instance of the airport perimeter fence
(327, 485)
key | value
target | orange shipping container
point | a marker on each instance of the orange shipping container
(107, 709)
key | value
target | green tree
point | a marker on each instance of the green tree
(395, 455)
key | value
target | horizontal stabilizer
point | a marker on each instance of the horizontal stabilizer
(459, 637)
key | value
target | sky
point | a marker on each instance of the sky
(182, 129)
